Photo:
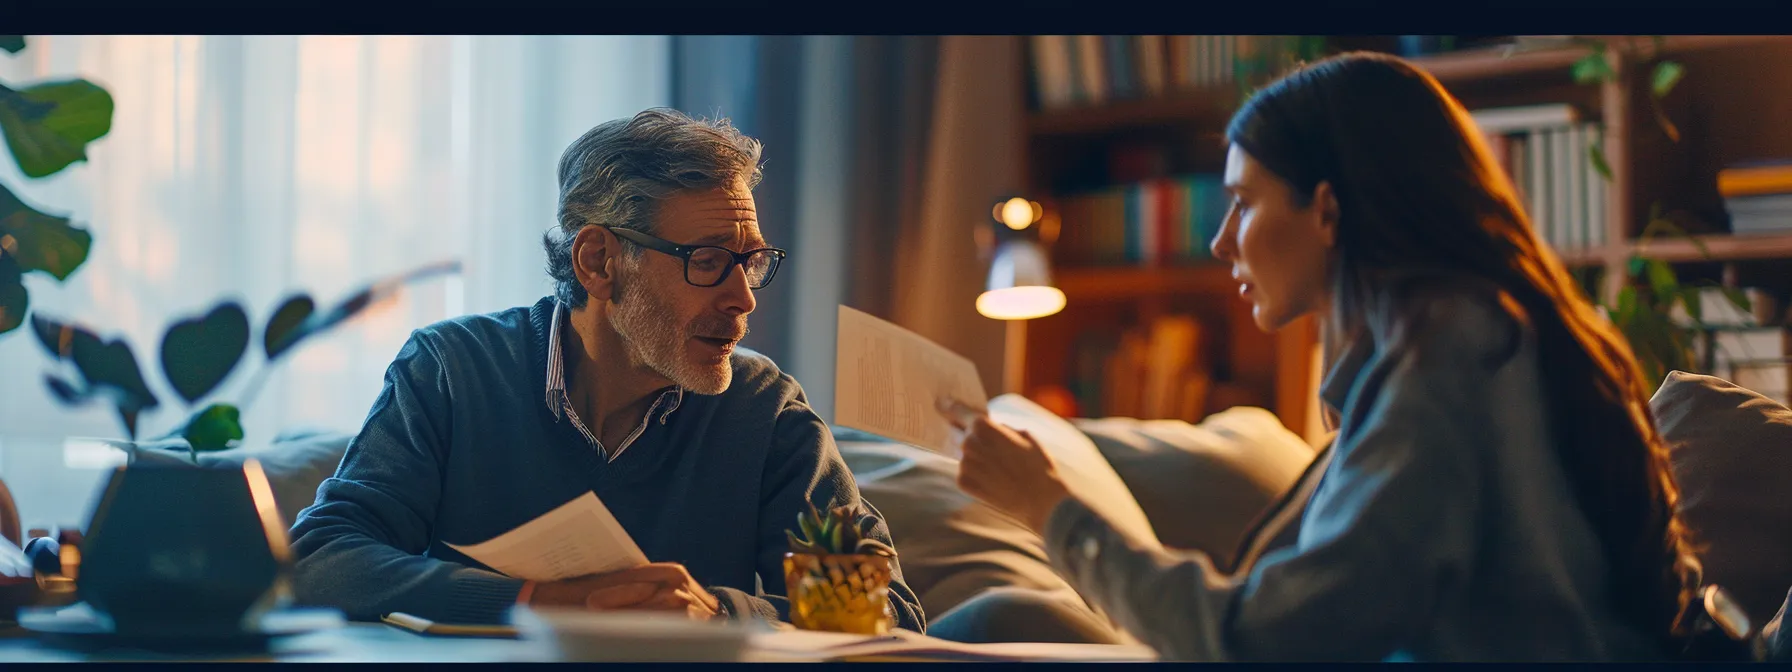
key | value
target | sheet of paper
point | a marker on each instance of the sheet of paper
(579, 538)
(886, 379)
(1086, 473)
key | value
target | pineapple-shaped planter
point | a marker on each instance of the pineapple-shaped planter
(837, 578)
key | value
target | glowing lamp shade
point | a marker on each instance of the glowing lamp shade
(1020, 284)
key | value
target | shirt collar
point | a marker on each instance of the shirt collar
(668, 401)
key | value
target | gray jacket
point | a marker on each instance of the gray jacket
(1442, 528)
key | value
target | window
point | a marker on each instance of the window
(251, 167)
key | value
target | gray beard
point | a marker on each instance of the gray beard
(652, 337)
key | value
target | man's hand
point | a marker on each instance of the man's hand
(660, 586)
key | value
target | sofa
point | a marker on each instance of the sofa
(1203, 485)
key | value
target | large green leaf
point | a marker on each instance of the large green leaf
(283, 327)
(213, 428)
(108, 368)
(41, 242)
(48, 125)
(316, 323)
(12, 43)
(198, 353)
(14, 300)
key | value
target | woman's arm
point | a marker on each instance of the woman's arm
(1388, 534)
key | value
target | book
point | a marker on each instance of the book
(1503, 120)
(1755, 179)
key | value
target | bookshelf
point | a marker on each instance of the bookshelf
(1720, 120)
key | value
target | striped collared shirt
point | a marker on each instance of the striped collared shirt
(561, 404)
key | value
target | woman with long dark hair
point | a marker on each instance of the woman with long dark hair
(1496, 489)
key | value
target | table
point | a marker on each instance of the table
(379, 643)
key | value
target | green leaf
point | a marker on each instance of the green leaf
(806, 523)
(41, 242)
(1626, 312)
(283, 327)
(14, 299)
(834, 541)
(1596, 155)
(1592, 68)
(313, 323)
(199, 354)
(1694, 301)
(213, 428)
(1662, 281)
(1738, 298)
(108, 367)
(1634, 267)
(12, 43)
(48, 125)
(1667, 74)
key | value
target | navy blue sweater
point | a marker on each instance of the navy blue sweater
(461, 447)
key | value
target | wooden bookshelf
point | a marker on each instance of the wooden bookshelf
(1124, 283)
(1729, 108)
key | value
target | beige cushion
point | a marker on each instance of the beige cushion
(1203, 484)
(952, 547)
(1731, 451)
(296, 462)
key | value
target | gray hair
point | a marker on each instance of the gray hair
(617, 173)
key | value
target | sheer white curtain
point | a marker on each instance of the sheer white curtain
(250, 167)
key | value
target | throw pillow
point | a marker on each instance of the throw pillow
(296, 462)
(1731, 451)
(1202, 485)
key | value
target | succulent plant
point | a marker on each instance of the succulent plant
(843, 530)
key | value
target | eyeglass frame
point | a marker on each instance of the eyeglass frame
(684, 252)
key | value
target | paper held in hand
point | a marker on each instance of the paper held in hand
(578, 539)
(887, 381)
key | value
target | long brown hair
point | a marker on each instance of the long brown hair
(1418, 190)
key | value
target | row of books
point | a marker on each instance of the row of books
(1747, 348)
(1074, 70)
(1758, 196)
(1154, 370)
(1546, 150)
(1162, 221)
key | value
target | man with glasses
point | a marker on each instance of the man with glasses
(629, 382)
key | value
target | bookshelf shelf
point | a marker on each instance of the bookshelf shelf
(1120, 283)
(1723, 247)
(1209, 108)
(1729, 109)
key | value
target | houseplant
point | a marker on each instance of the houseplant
(1646, 302)
(48, 127)
(836, 576)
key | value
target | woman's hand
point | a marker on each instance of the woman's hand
(1005, 468)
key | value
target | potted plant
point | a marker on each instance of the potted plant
(1652, 292)
(837, 577)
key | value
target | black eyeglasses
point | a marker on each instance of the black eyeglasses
(709, 265)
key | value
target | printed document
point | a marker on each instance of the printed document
(888, 380)
(579, 538)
